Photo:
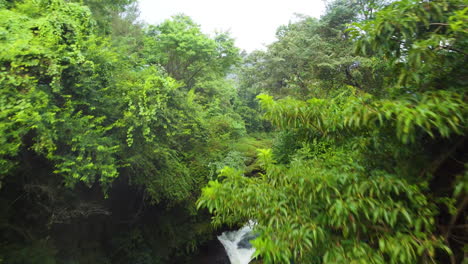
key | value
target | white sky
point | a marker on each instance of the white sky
(252, 23)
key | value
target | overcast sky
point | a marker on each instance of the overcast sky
(252, 23)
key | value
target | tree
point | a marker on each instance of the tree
(179, 46)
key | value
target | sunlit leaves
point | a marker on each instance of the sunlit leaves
(441, 113)
(40, 45)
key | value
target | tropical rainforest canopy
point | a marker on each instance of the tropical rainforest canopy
(345, 141)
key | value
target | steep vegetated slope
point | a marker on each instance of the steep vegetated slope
(109, 130)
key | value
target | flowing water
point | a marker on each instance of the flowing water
(237, 244)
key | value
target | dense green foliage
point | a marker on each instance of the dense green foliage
(377, 171)
(344, 141)
(89, 96)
